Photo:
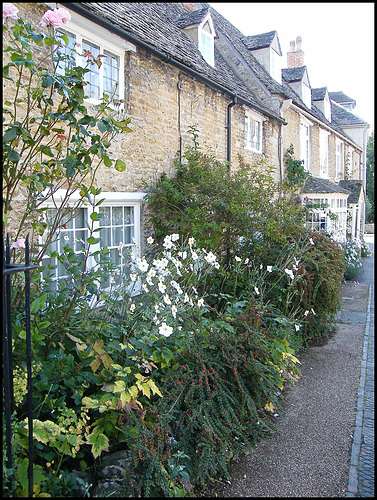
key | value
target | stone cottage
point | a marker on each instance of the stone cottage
(183, 64)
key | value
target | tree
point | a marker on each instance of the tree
(370, 177)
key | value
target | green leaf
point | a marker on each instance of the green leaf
(99, 443)
(102, 127)
(107, 161)
(120, 166)
(119, 386)
(89, 402)
(36, 305)
(94, 216)
(10, 134)
(92, 241)
(46, 150)
(13, 156)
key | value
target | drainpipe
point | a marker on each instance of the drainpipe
(229, 130)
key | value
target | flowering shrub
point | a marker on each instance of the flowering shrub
(352, 250)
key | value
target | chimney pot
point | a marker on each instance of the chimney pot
(188, 6)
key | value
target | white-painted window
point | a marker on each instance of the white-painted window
(305, 144)
(324, 153)
(206, 47)
(253, 138)
(118, 226)
(338, 160)
(104, 78)
(350, 163)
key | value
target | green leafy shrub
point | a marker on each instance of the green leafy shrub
(352, 251)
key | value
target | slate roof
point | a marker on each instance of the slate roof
(261, 41)
(194, 17)
(355, 186)
(318, 185)
(341, 98)
(293, 74)
(342, 116)
(319, 94)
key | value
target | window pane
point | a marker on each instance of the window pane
(91, 52)
(117, 216)
(67, 57)
(111, 74)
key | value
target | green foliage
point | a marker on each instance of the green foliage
(295, 173)
(370, 177)
(220, 207)
(352, 252)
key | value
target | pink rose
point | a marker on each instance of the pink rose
(20, 243)
(63, 14)
(9, 10)
(51, 18)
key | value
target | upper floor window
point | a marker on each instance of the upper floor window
(338, 160)
(306, 95)
(350, 163)
(324, 153)
(305, 144)
(85, 49)
(206, 42)
(253, 133)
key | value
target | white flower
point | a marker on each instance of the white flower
(238, 259)
(256, 290)
(66, 237)
(195, 290)
(175, 237)
(164, 262)
(161, 287)
(112, 279)
(191, 241)
(150, 240)
(145, 287)
(165, 330)
(167, 300)
(311, 241)
(132, 307)
(201, 303)
(216, 265)
(297, 327)
(315, 314)
(151, 273)
(157, 308)
(174, 311)
(246, 260)
(142, 264)
(290, 273)
(261, 266)
(194, 255)
(183, 254)
(149, 281)
(168, 243)
(133, 276)
(269, 269)
(210, 258)
(306, 313)
(156, 320)
(186, 299)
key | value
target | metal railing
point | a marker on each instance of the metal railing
(8, 392)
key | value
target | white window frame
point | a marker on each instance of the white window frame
(254, 143)
(320, 217)
(305, 142)
(113, 199)
(339, 170)
(350, 162)
(324, 153)
(207, 48)
(106, 43)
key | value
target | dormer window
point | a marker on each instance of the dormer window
(206, 45)
(198, 26)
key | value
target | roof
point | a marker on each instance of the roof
(319, 94)
(343, 117)
(293, 74)
(341, 98)
(261, 41)
(317, 185)
(355, 186)
(194, 17)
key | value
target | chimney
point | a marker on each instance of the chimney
(295, 57)
(188, 6)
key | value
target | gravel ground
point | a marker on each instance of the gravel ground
(310, 454)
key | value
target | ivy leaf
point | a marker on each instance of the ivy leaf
(13, 156)
(120, 166)
(99, 443)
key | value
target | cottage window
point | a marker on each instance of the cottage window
(82, 50)
(338, 160)
(324, 153)
(253, 134)
(118, 227)
(305, 145)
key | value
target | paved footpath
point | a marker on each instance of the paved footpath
(361, 476)
(324, 446)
